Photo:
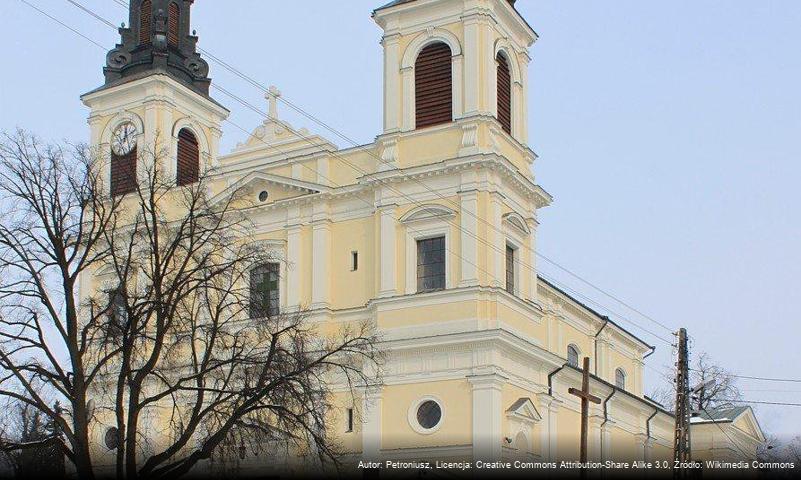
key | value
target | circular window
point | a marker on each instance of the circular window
(263, 196)
(112, 438)
(426, 415)
(429, 414)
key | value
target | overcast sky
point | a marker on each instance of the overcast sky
(668, 132)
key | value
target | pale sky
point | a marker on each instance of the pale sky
(668, 132)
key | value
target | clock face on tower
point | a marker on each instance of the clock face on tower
(123, 140)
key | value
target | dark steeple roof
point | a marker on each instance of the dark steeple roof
(158, 40)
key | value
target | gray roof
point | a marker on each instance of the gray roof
(724, 414)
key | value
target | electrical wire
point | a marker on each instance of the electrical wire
(88, 11)
(341, 135)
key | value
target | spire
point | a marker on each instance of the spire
(158, 40)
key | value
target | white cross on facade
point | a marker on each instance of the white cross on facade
(272, 96)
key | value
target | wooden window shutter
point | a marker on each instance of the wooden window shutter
(174, 24)
(123, 173)
(145, 19)
(433, 81)
(188, 161)
(504, 94)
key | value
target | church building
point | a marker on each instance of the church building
(429, 233)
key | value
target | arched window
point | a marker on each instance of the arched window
(620, 379)
(504, 93)
(433, 81)
(173, 24)
(573, 356)
(145, 20)
(123, 159)
(188, 161)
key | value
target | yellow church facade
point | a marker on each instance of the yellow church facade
(429, 233)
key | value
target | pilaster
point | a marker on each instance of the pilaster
(371, 428)
(487, 409)
(469, 243)
(388, 248)
(550, 431)
(294, 266)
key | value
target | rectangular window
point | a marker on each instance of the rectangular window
(431, 264)
(350, 420)
(264, 292)
(510, 269)
(354, 258)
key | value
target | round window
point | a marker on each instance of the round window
(112, 438)
(429, 414)
(263, 196)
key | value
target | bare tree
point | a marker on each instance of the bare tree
(170, 334)
(713, 386)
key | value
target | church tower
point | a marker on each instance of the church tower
(458, 62)
(155, 99)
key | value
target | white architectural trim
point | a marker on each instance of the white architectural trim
(422, 230)
(422, 40)
(412, 415)
(427, 212)
(203, 144)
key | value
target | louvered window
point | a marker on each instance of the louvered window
(504, 94)
(145, 19)
(123, 173)
(188, 158)
(433, 86)
(174, 24)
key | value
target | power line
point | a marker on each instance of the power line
(76, 32)
(762, 379)
(247, 104)
(341, 135)
(760, 402)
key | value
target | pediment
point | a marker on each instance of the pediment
(277, 187)
(524, 410)
(518, 222)
(747, 422)
(428, 212)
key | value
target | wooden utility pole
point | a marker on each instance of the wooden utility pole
(681, 442)
(586, 398)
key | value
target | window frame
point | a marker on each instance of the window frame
(278, 282)
(412, 415)
(576, 349)
(515, 273)
(620, 374)
(197, 173)
(450, 90)
(349, 423)
(427, 228)
(444, 262)
(502, 55)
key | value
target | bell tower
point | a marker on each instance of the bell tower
(154, 105)
(484, 42)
